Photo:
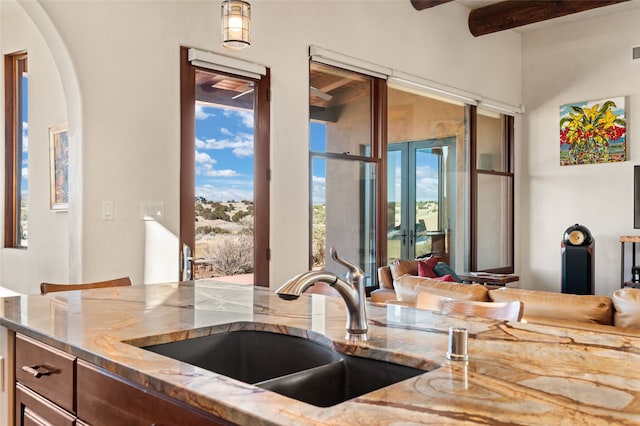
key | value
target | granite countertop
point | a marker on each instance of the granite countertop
(516, 374)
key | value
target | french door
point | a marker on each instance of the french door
(421, 198)
(224, 188)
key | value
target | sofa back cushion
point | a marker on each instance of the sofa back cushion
(408, 286)
(546, 305)
(385, 279)
(627, 304)
(403, 267)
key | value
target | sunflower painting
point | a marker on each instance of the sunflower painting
(593, 132)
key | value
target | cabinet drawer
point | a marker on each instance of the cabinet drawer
(32, 409)
(46, 370)
(104, 399)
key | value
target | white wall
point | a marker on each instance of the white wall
(575, 62)
(46, 259)
(125, 56)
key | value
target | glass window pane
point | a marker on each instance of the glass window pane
(396, 235)
(23, 150)
(494, 221)
(343, 201)
(490, 141)
(426, 200)
(224, 224)
(341, 101)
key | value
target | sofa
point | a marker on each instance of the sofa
(620, 313)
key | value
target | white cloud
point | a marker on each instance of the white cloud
(204, 167)
(225, 131)
(25, 172)
(201, 113)
(246, 117)
(214, 193)
(208, 170)
(426, 184)
(204, 158)
(319, 189)
(241, 146)
(25, 135)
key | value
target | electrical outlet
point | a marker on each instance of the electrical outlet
(151, 210)
(107, 210)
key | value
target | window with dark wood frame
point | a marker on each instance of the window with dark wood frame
(501, 169)
(15, 232)
(261, 167)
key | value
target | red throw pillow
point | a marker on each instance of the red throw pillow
(448, 278)
(425, 267)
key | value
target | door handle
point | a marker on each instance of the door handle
(411, 235)
(404, 237)
(187, 263)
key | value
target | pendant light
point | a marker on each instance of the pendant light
(236, 21)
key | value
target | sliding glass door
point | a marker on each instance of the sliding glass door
(421, 198)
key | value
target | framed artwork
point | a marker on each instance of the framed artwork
(593, 132)
(59, 167)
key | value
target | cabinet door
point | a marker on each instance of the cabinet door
(34, 410)
(105, 399)
(46, 370)
(7, 339)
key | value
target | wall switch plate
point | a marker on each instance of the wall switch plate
(107, 210)
(151, 210)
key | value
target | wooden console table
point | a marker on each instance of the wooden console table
(633, 240)
(488, 278)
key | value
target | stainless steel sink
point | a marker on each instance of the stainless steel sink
(292, 366)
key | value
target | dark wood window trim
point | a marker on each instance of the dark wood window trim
(380, 143)
(508, 149)
(378, 108)
(261, 166)
(14, 65)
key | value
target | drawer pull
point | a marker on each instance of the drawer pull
(37, 371)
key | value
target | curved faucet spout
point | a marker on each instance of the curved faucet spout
(297, 285)
(352, 291)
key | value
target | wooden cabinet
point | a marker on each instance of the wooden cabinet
(7, 344)
(107, 399)
(33, 409)
(44, 391)
(55, 388)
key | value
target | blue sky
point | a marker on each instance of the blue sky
(224, 158)
(224, 153)
(24, 185)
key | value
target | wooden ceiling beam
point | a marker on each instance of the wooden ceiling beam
(426, 4)
(516, 13)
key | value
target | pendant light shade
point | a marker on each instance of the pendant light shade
(236, 22)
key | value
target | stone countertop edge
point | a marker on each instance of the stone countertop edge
(517, 373)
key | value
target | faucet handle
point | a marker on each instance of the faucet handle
(350, 266)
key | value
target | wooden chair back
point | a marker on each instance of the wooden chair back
(117, 282)
(508, 311)
(430, 301)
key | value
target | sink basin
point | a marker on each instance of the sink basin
(292, 366)
(247, 355)
(339, 381)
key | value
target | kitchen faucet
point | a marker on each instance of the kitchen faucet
(351, 290)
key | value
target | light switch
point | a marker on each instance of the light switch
(151, 210)
(107, 210)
